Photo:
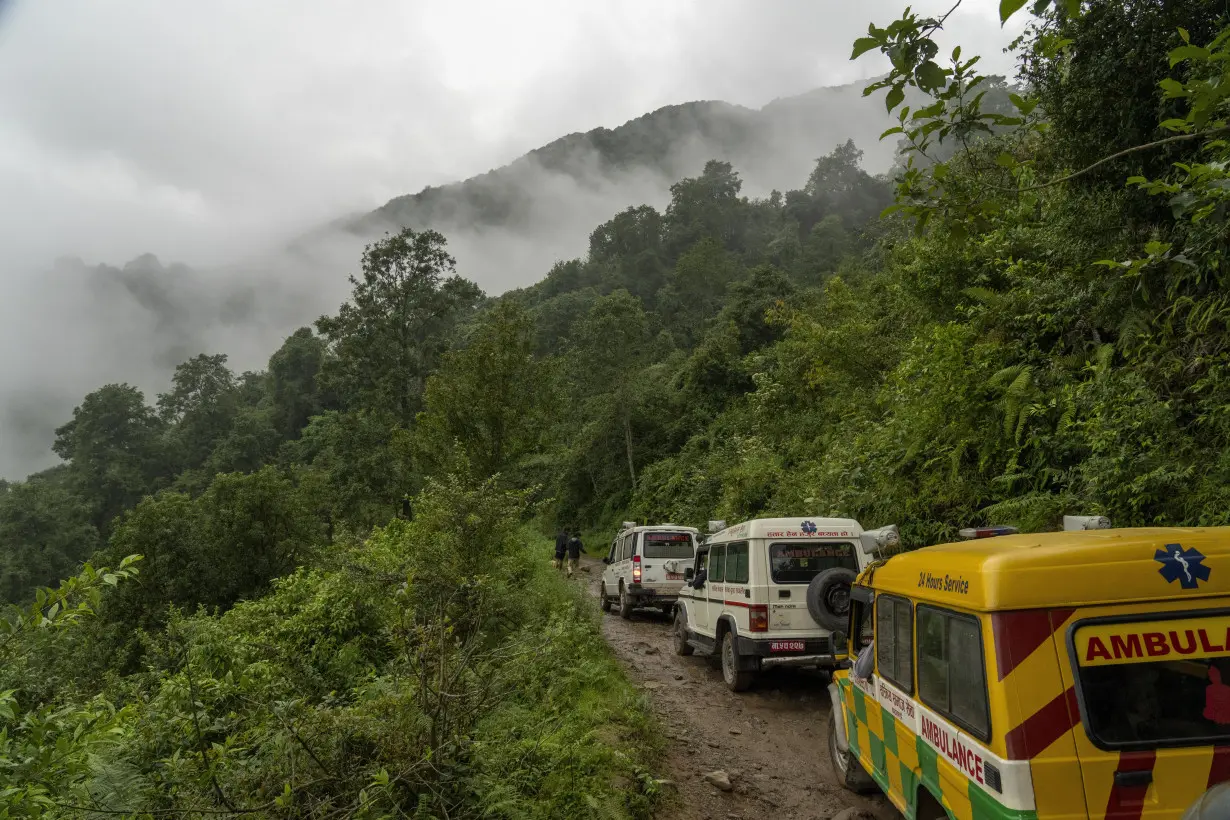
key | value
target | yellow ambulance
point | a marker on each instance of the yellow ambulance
(1079, 674)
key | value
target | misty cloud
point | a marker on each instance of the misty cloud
(214, 134)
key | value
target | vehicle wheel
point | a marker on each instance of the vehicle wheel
(625, 603)
(828, 598)
(847, 771)
(606, 602)
(737, 680)
(680, 634)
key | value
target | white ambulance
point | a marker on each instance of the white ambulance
(771, 591)
(645, 566)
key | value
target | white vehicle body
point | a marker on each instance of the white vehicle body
(647, 566)
(752, 606)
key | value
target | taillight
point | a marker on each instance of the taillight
(760, 617)
(636, 569)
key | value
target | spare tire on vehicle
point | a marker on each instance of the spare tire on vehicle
(828, 598)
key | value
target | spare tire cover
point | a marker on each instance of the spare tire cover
(828, 598)
(1215, 803)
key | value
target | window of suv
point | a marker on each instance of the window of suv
(895, 641)
(667, 545)
(627, 547)
(736, 563)
(798, 562)
(952, 676)
(717, 562)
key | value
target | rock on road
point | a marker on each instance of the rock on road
(770, 741)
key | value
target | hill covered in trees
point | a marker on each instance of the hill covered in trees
(341, 608)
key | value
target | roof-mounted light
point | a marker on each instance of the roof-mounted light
(987, 532)
(879, 540)
(1085, 522)
(629, 525)
(717, 526)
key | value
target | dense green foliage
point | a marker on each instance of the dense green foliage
(341, 609)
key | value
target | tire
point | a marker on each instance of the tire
(625, 603)
(679, 634)
(605, 602)
(828, 598)
(737, 680)
(847, 771)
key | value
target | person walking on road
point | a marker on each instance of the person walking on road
(575, 548)
(561, 547)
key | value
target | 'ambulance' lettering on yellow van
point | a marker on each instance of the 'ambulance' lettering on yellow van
(1144, 641)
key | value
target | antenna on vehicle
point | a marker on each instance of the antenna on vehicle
(1085, 522)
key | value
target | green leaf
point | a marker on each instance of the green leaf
(1023, 105)
(956, 54)
(1188, 53)
(1072, 7)
(897, 129)
(862, 45)
(1007, 8)
(895, 95)
(1005, 160)
(1187, 38)
(931, 76)
(1173, 87)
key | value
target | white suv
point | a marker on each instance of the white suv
(770, 592)
(646, 566)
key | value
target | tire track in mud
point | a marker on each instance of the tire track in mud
(771, 740)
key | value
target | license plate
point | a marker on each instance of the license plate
(674, 576)
(786, 646)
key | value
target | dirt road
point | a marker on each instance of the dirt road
(770, 740)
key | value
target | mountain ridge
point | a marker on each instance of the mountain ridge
(771, 146)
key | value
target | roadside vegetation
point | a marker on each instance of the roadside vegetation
(328, 596)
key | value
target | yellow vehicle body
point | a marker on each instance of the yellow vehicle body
(1053, 675)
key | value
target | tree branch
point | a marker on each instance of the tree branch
(1125, 152)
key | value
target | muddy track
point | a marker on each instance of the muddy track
(770, 740)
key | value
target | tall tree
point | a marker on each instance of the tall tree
(200, 407)
(112, 444)
(293, 390)
(492, 396)
(611, 345)
(388, 339)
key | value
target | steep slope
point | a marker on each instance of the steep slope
(605, 169)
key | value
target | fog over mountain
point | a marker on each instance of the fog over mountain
(178, 186)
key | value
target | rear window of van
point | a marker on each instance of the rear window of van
(797, 562)
(1158, 682)
(667, 545)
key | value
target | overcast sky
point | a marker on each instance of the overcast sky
(200, 130)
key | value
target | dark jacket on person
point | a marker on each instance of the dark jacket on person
(575, 548)
(561, 544)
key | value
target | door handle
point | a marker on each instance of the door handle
(1133, 779)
